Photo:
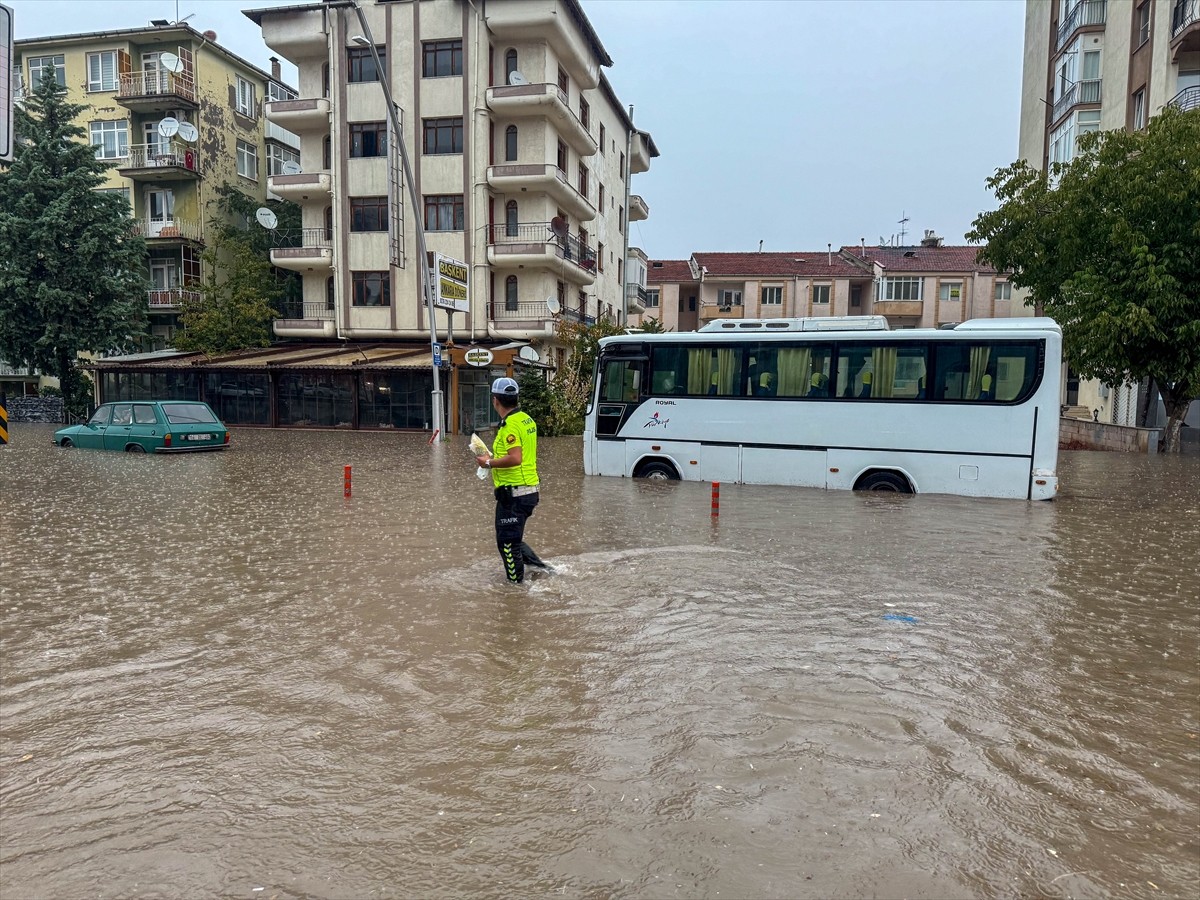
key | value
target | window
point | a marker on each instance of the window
(601, 138)
(1143, 24)
(247, 160)
(600, 256)
(444, 135)
(246, 100)
(102, 71)
(771, 296)
(600, 199)
(510, 143)
(562, 157)
(111, 139)
(1139, 110)
(950, 291)
(39, 65)
(361, 64)
(622, 167)
(881, 371)
(510, 218)
(1003, 290)
(1062, 142)
(326, 152)
(900, 288)
(1087, 121)
(371, 289)
(511, 303)
(330, 293)
(652, 298)
(368, 214)
(1003, 372)
(583, 179)
(278, 155)
(621, 219)
(820, 294)
(122, 192)
(441, 58)
(510, 64)
(564, 83)
(585, 113)
(444, 212)
(276, 91)
(728, 298)
(367, 139)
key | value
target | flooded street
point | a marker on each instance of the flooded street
(220, 678)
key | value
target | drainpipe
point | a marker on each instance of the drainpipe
(625, 247)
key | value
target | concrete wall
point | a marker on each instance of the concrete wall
(35, 409)
(1079, 434)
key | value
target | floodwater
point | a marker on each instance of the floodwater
(221, 678)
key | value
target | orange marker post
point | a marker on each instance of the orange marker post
(346, 482)
(716, 498)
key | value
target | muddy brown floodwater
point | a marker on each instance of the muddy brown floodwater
(220, 678)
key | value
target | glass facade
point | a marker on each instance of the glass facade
(239, 398)
(394, 400)
(317, 400)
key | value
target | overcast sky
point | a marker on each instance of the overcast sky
(792, 122)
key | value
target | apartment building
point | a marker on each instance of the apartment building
(922, 286)
(522, 157)
(175, 116)
(1098, 65)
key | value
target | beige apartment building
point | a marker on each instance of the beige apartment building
(1098, 65)
(922, 286)
(522, 157)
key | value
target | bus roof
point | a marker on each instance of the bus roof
(750, 329)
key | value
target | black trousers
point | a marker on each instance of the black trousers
(511, 514)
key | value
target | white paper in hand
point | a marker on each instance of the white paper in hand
(479, 448)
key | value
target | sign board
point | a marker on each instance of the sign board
(479, 356)
(451, 284)
(437, 355)
(6, 84)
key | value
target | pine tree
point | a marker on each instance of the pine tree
(72, 270)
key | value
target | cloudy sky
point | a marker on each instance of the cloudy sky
(797, 123)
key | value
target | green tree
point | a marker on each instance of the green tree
(73, 275)
(235, 305)
(239, 225)
(1109, 246)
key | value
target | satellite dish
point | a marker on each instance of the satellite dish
(291, 167)
(515, 77)
(266, 218)
(211, 35)
(527, 352)
(188, 132)
(553, 305)
(168, 127)
(559, 226)
(170, 62)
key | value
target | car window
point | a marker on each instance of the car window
(143, 414)
(123, 414)
(188, 413)
(100, 416)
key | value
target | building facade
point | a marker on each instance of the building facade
(521, 157)
(1094, 65)
(175, 116)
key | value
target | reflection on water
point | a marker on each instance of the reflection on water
(219, 675)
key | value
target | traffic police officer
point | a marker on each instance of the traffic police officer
(514, 475)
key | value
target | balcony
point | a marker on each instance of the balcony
(638, 210)
(535, 245)
(306, 250)
(165, 161)
(710, 311)
(1083, 14)
(904, 308)
(299, 188)
(1185, 27)
(1188, 98)
(147, 92)
(169, 230)
(1078, 94)
(522, 100)
(305, 320)
(636, 297)
(533, 316)
(639, 160)
(537, 22)
(294, 33)
(544, 177)
(170, 299)
(300, 116)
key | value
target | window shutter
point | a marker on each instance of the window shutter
(124, 63)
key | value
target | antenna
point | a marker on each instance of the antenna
(553, 305)
(187, 131)
(559, 226)
(168, 127)
(291, 167)
(266, 218)
(529, 353)
(171, 63)
(903, 221)
(515, 77)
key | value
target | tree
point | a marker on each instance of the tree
(73, 272)
(239, 226)
(1109, 246)
(235, 305)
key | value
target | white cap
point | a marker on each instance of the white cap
(505, 387)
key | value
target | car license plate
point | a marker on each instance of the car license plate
(199, 437)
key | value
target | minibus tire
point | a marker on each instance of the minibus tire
(658, 471)
(891, 482)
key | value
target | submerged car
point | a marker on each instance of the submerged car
(161, 426)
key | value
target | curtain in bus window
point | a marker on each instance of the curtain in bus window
(795, 371)
(979, 364)
(883, 363)
(699, 369)
(728, 369)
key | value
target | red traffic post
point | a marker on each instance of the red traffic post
(716, 498)
(346, 482)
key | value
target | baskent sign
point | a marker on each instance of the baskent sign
(451, 284)
(478, 356)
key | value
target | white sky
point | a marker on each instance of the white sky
(794, 122)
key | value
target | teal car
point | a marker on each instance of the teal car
(162, 426)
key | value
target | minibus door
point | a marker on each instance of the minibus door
(620, 392)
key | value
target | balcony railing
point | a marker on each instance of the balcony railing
(177, 229)
(534, 311)
(165, 155)
(307, 310)
(171, 298)
(152, 84)
(1184, 14)
(568, 247)
(1188, 98)
(1085, 12)
(1080, 92)
(302, 237)
(635, 293)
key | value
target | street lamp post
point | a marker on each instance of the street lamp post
(423, 256)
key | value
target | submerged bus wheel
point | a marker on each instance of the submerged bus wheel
(884, 481)
(657, 471)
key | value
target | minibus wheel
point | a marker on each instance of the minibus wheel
(658, 471)
(884, 481)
